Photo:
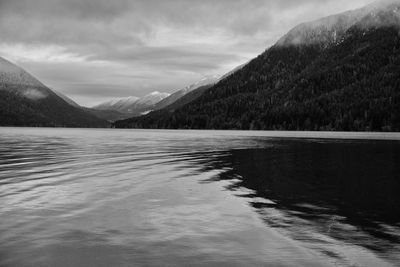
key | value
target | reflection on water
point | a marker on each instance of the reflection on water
(73, 197)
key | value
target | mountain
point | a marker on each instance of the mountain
(25, 101)
(205, 81)
(149, 101)
(232, 71)
(118, 104)
(17, 80)
(195, 91)
(333, 29)
(104, 114)
(108, 115)
(187, 98)
(67, 99)
(189, 93)
(132, 106)
(337, 73)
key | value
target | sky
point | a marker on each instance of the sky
(95, 50)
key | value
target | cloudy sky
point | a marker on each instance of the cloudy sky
(93, 50)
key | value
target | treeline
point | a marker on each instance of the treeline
(52, 111)
(351, 86)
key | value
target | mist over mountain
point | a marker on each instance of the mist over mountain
(333, 29)
(337, 73)
(17, 80)
(25, 101)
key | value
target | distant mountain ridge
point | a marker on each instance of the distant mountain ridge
(205, 81)
(151, 99)
(104, 114)
(117, 103)
(25, 101)
(154, 101)
(189, 93)
(132, 104)
(337, 73)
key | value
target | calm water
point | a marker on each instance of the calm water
(73, 197)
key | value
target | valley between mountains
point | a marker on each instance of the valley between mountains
(339, 73)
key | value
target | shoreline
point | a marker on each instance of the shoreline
(324, 135)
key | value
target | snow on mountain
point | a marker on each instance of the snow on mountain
(206, 80)
(157, 100)
(343, 63)
(151, 99)
(117, 103)
(233, 71)
(331, 30)
(132, 104)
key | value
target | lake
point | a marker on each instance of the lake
(93, 197)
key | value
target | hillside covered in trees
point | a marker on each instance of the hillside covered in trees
(25, 101)
(339, 73)
(52, 111)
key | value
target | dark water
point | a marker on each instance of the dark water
(165, 198)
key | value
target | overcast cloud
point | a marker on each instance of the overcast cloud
(92, 50)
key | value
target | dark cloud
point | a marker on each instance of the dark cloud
(141, 45)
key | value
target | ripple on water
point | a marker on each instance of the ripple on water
(75, 197)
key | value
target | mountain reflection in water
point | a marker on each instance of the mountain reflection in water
(322, 192)
(114, 197)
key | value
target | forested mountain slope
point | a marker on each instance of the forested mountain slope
(176, 96)
(338, 73)
(25, 101)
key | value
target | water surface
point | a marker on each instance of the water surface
(80, 197)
